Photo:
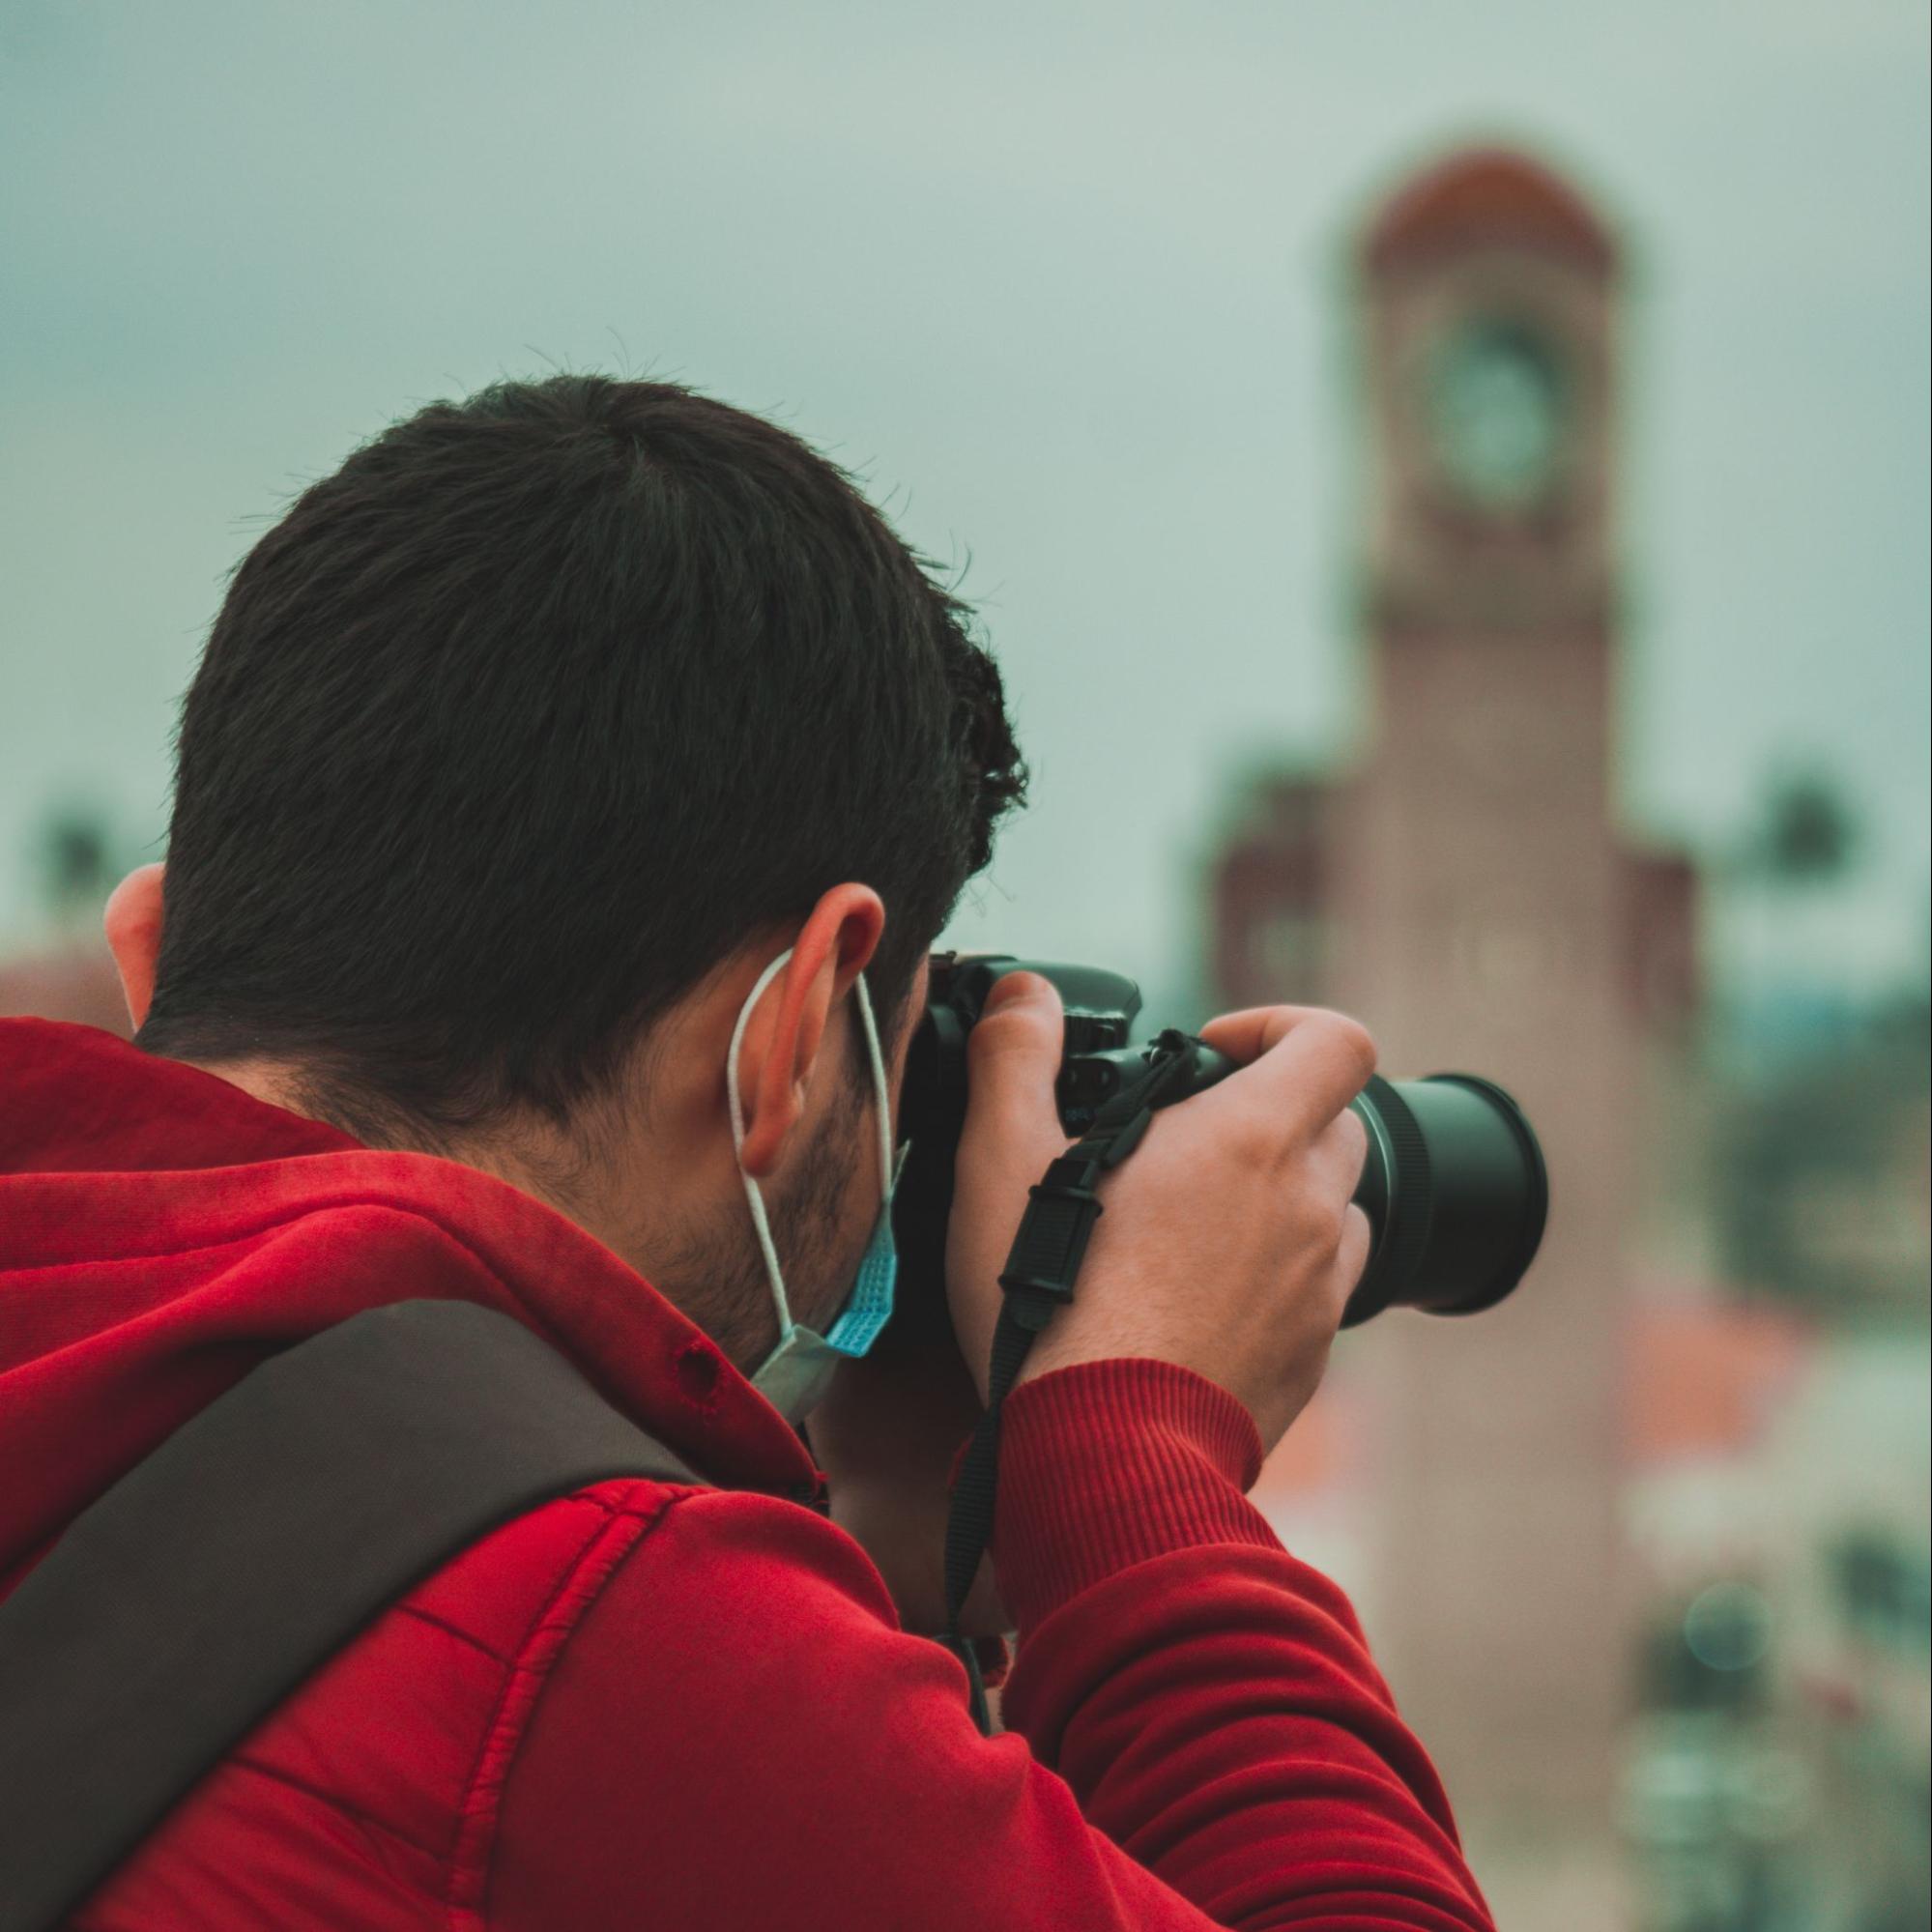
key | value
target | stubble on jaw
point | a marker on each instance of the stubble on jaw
(715, 1272)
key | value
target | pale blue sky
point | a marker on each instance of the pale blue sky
(1063, 281)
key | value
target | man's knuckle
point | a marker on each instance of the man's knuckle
(1313, 1225)
(1342, 1290)
(1254, 1145)
(1354, 1042)
(1358, 1233)
(1016, 1032)
(1337, 1226)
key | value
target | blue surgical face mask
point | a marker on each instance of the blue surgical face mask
(797, 1374)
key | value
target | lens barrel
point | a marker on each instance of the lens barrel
(1455, 1190)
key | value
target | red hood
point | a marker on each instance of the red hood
(161, 1232)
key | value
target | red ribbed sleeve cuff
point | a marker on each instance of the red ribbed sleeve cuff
(1105, 1464)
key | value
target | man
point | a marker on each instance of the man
(568, 798)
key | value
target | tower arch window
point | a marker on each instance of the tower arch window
(1498, 406)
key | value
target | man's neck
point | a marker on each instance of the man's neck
(560, 1169)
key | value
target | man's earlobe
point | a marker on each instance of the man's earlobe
(133, 924)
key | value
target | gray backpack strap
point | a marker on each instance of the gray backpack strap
(201, 1589)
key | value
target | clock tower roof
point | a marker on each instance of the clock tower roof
(1483, 197)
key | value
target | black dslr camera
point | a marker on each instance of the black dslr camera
(1454, 1184)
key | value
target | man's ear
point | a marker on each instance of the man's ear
(778, 1056)
(133, 923)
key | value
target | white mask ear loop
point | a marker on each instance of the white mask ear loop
(881, 1092)
(751, 1193)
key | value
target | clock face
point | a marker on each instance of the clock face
(1497, 407)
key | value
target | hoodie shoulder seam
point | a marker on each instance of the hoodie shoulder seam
(645, 1503)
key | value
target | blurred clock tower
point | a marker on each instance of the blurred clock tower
(1478, 912)
(1464, 889)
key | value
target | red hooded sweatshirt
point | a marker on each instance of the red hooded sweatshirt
(671, 1706)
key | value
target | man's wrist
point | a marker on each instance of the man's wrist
(1105, 1464)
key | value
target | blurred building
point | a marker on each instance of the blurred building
(1465, 887)
(63, 970)
(71, 981)
(1644, 1551)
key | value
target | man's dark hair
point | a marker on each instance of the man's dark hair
(520, 723)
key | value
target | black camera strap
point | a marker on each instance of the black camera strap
(1036, 1283)
(197, 1592)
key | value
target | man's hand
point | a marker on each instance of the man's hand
(885, 1435)
(1226, 1241)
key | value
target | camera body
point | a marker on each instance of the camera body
(1454, 1184)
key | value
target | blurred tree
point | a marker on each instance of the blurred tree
(1820, 1174)
(77, 864)
(1808, 836)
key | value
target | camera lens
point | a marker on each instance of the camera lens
(1455, 1190)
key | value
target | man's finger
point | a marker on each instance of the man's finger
(1244, 1036)
(1314, 1064)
